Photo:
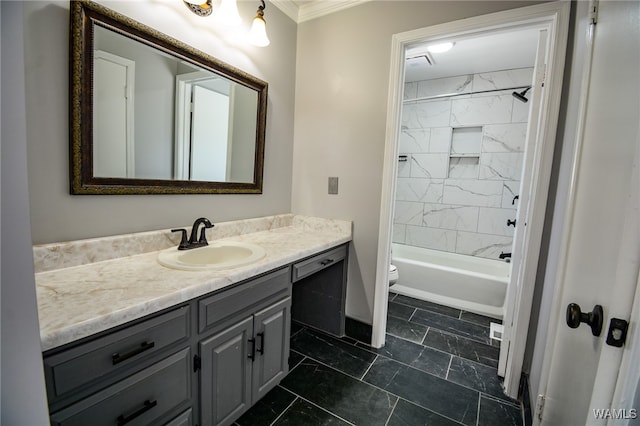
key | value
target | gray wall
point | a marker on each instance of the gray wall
(342, 80)
(23, 397)
(58, 216)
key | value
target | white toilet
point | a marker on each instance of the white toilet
(393, 274)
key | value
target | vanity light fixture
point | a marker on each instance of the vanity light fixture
(228, 15)
(258, 32)
(200, 7)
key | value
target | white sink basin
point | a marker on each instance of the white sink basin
(215, 256)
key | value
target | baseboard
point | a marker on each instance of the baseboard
(358, 330)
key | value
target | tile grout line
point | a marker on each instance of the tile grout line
(427, 409)
(334, 368)
(286, 409)
(322, 408)
(391, 412)
(369, 368)
(425, 338)
(297, 332)
(446, 376)
(498, 400)
(428, 310)
(412, 314)
(418, 369)
(382, 389)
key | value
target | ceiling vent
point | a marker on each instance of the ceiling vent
(422, 59)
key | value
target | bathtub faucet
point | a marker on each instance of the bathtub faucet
(504, 255)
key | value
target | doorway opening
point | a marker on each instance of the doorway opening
(467, 137)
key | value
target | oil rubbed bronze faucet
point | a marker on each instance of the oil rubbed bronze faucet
(194, 241)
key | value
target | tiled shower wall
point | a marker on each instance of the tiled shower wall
(457, 196)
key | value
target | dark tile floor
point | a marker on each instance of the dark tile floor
(438, 367)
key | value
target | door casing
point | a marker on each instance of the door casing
(551, 16)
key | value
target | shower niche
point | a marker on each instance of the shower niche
(464, 154)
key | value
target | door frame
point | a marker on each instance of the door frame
(551, 16)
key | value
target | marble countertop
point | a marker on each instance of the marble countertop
(77, 301)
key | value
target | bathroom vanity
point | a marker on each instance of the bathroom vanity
(204, 346)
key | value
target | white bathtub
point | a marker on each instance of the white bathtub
(470, 283)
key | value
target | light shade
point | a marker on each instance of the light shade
(440, 47)
(258, 32)
(228, 13)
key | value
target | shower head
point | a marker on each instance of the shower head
(521, 96)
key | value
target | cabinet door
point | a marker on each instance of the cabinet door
(272, 326)
(225, 381)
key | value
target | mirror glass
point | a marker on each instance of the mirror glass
(152, 115)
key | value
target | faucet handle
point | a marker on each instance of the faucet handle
(203, 237)
(184, 244)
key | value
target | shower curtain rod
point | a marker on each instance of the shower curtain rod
(450, 95)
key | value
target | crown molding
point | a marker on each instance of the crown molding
(314, 9)
(287, 7)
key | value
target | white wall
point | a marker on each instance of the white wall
(23, 394)
(342, 79)
(58, 216)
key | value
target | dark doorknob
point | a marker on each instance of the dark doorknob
(594, 318)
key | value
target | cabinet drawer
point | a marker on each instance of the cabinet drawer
(229, 302)
(318, 263)
(80, 366)
(144, 398)
(184, 419)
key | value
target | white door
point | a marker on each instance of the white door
(209, 135)
(113, 144)
(525, 247)
(601, 253)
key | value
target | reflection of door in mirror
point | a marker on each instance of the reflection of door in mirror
(209, 135)
(113, 142)
(203, 132)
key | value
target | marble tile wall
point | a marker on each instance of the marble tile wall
(456, 201)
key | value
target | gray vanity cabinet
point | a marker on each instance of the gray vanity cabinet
(204, 362)
(319, 290)
(247, 353)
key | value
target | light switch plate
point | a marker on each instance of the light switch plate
(333, 185)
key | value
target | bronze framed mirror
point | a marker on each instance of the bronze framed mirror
(152, 115)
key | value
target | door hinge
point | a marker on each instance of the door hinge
(197, 363)
(539, 406)
(593, 12)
